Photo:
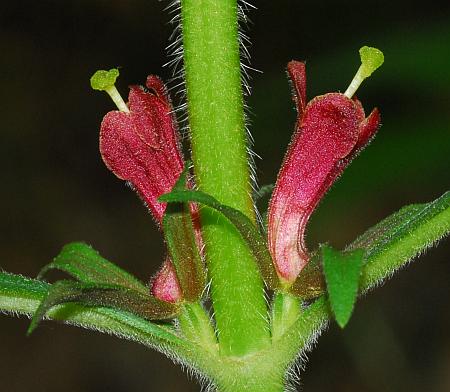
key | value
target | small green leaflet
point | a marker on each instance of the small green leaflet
(85, 264)
(243, 224)
(342, 274)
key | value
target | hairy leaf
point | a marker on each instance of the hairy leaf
(116, 297)
(21, 295)
(342, 274)
(85, 264)
(397, 239)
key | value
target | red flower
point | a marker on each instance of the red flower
(142, 146)
(330, 131)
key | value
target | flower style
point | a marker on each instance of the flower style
(330, 131)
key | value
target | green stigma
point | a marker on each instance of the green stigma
(102, 80)
(105, 81)
(371, 59)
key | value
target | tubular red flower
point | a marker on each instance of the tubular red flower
(142, 146)
(331, 129)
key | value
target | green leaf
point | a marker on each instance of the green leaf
(393, 242)
(342, 274)
(243, 224)
(116, 297)
(85, 264)
(182, 244)
(21, 295)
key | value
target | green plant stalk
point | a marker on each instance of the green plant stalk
(219, 152)
(253, 374)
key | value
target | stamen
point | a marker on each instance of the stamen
(104, 81)
(371, 59)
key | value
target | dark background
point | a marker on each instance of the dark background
(55, 188)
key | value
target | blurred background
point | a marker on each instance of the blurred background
(55, 188)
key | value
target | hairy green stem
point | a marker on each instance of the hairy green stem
(219, 152)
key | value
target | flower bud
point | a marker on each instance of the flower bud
(165, 285)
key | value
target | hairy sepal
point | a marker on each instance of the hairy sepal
(310, 282)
